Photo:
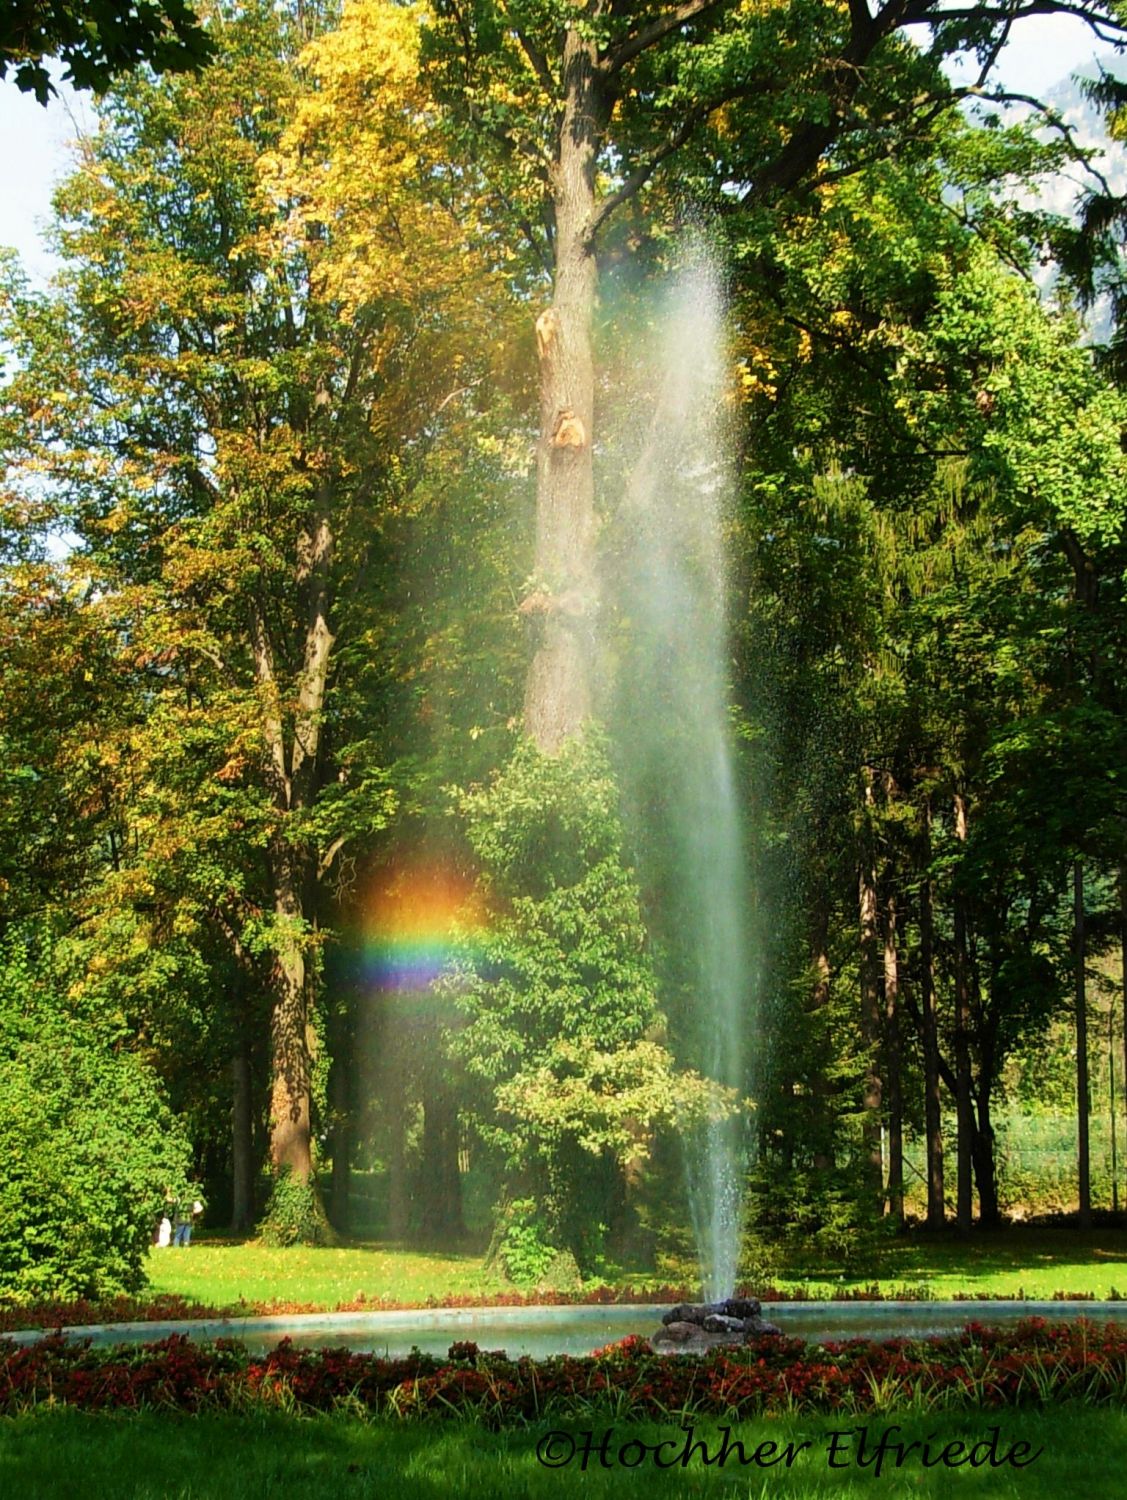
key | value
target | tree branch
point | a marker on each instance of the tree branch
(324, 864)
(315, 666)
(642, 174)
(929, 14)
(271, 717)
(641, 41)
(536, 59)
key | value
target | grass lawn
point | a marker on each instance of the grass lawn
(1029, 1259)
(219, 1272)
(1039, 1262)
(60, 1453)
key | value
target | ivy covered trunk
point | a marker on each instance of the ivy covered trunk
(562, 605)
(292, 768)
(290, 1063)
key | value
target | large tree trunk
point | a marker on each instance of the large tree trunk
(985, 1164)
(292, 775)
(340, 1103)
(933, 1115)
(873, 1163)
(242, 1146)
(893, 1064)
(441, 1190)
(964, 1107)
(557, 696)
(1083, 1098)
(290, 1062)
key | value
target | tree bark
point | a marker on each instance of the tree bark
(893, 1064)
(291, 1069)
(242, 1157)
(964, 1107)
(1083, 1098)
(873, 1163)
(340, 1103)
(292, 776)
(933, 1115)
(441, 1180)
(558, 694)
(985, 1165)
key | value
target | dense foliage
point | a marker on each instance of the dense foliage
(89, 1150)
(298, 740)
(97, 40)
(561, 1007)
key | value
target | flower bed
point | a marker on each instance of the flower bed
(1031, 1362)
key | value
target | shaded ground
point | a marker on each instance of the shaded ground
(1025, 1259)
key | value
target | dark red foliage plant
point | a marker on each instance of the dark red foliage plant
(1031, 1362)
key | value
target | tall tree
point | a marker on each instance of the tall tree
(558, 97)
(226, 425)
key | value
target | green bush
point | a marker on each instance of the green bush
(525, 1252)
(820, 1214)
(88, 1148)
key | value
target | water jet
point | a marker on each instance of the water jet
(670, 713)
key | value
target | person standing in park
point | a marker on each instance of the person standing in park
(187, 1208)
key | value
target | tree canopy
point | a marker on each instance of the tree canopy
(98, 41)
(308, 771)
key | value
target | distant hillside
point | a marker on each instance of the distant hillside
(1060, 192)
(1088, 123)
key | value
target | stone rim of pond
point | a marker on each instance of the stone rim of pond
(851, 1319)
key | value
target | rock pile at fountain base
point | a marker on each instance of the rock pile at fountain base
(693, 1327)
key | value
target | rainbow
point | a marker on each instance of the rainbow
(415, 922)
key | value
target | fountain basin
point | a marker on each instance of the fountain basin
(543, 1331)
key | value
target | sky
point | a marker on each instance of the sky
(34, 140)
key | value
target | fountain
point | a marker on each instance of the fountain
(693, 1327)
(670, 715)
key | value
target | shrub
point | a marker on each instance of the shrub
(525, 1252)
(88, 1147)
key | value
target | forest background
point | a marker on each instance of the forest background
(297, 701)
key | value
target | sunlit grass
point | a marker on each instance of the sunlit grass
(219, 1273)
(1039, 1263)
